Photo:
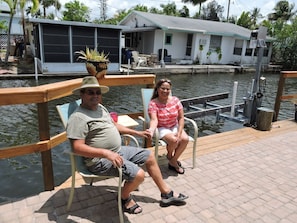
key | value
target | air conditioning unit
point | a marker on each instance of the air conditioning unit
(202, 42)
(253, 44)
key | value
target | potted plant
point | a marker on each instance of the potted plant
(96, 62)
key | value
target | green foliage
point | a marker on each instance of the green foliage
(219, 52)
(282, 25)
(283, 10)
(244, 20)
(3, 25)
(13, 4)
(76, 11)
(92, 55)
(213, 11)
(195, 2)
(285, 46)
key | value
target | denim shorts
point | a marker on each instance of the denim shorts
(133, 158)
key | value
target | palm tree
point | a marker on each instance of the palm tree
(169, 9)
(195, 2)
(47, 3)
(13, 4)
(244, 20)
(283, 10)
(255, 15)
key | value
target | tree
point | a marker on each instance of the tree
(213, 11)
(76, 11)
(285, 46)
(285, 34)
(283, 11)
(195, 2)
(47, 3)
(184, 12)
(255, 15)
(169, 9)
(12, 4)
(245, 20)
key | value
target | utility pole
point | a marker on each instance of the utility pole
(103, 9)
(228, 11)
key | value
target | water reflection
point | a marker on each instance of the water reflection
(22, 176)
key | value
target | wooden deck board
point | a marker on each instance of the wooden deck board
(218, 142)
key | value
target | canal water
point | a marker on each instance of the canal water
(22, 176)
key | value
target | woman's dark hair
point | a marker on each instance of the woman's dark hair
(158, 84)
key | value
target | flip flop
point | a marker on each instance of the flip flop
(176, 169)
(169, 199)
(178, 162)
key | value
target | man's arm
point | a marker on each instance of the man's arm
(79, 147)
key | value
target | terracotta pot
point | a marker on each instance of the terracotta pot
(97, 69)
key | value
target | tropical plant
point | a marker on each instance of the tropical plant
(283, 10)
(195, 2)
(245, 20)
(92, 55)
(76, 11)
(219, 52)
(255, 15)
(13, 4)
(213, 11)
(96, 62)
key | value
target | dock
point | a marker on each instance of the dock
(244, 175)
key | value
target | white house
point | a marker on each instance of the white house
(187, 39)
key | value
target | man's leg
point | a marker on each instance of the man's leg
(155, 172)
(168, 197)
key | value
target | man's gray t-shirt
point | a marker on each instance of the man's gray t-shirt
(95, 127)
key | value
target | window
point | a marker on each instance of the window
(238, 47)
(168, 39)
(215, 42)
(248, 51)
(266, 49)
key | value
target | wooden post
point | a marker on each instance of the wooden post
(46, 156)
(264, 118)
(279, 94)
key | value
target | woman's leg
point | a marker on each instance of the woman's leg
(180, 147)
(175, 148)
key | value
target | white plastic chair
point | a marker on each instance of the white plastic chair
(77, 163)
(146, 94)
(138, 59)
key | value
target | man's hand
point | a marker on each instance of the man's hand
(115, 158)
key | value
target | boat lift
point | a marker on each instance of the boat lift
(241, 112)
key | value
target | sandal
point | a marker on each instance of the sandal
(169, 199)
(176, 169)
(135, 209)
(178, 162)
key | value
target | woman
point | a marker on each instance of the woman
(166, 114)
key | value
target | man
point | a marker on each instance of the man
(94, 135)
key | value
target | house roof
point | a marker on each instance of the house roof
(74, 23)
(181, 24)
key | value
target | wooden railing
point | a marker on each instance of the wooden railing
(279, 96)
(41, 95)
